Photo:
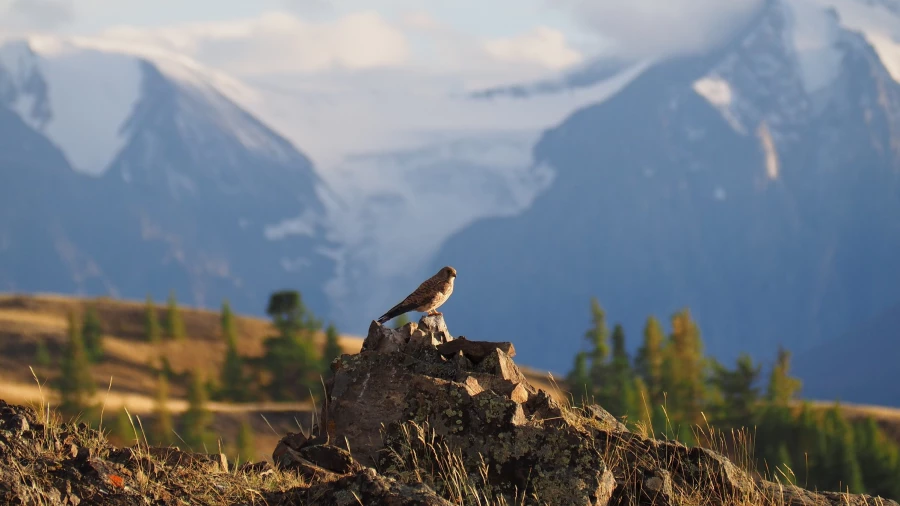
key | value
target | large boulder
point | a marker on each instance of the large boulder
(459, 417)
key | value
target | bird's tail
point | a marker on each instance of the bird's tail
(395, 311)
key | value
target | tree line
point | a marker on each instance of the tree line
(290, 369)
(673, 388)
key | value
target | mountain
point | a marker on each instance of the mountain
(128, 175)
(757, 184)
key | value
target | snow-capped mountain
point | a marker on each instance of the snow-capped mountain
(170, 183)
(758, 184)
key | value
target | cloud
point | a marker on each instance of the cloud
(277, 41)
(37, 14)
(655, 28)
(544, 46)
(283, 43)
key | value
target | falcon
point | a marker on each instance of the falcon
(433, 292)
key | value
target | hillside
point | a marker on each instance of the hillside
(415, 418)
(127, 368)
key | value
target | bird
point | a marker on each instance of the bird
(433, 292)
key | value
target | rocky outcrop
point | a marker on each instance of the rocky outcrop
(424, 408)
(416, 418)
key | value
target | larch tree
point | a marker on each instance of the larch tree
(649, 360)
(152, 329)
(76, 386)
(163, 429)
(92, 330)
(196, 420)
(233, 380)
(291, 357)
(174, 323)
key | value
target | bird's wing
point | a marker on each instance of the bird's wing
(420, 295)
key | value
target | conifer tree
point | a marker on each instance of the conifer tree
(782, 387)
(76, 386)
(162, 428)
(92, 330)
(246, 448)
(196, 420)
(842, 470)
(232, 377)
(228, 324)
(42, 355)
(649, 360)
(174, 323)
(579, 379)
(151, 322)
(738, 391)
(619, 393)
(879, 459)
(233, 380)
(291, 357)
(686, 368)
(643, 409)
(598, 337)
(332, 348)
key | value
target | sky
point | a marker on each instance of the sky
(485, 41)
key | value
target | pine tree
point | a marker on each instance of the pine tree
(649, 360)
(235, 384)
(579, 380)
(233, 380)
(643, 407)
(620, 394)
(92, 330)
(76, 386)
(196, 420)
(42, 355)
(151, 322)
(246, 448)
(879, 459)
(782, 387)
(739, 392)
(162, 427)
(174, 324)
(291, 357)
(332, 348)
(686, 369)
(228, 325)
(598, 337)
(842, 470)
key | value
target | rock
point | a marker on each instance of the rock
(385, 339)
(606, 419)
(313, 456)
(790, 495)
(330, 457)
(519, 395)
(475, 351)
(365, 487)
(481, 410)
(437, 326)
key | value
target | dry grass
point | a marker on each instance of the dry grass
(135, 472)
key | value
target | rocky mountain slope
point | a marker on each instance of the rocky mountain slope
(416, 418)
(758, 184)
(125, 175)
